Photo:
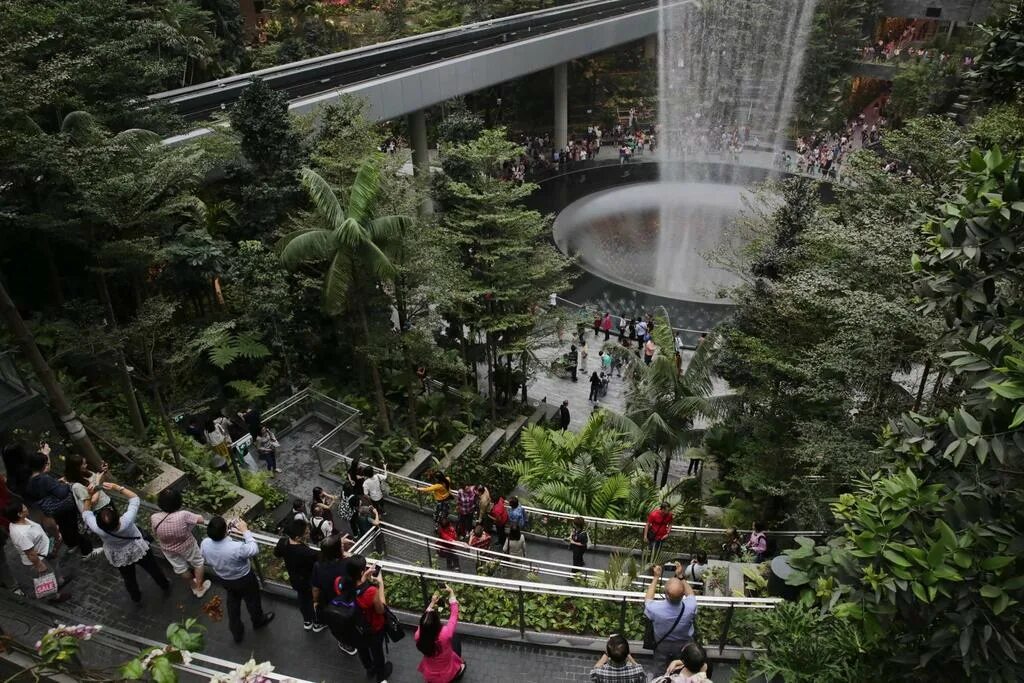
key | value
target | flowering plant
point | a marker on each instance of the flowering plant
(60, 644)
(250, 672)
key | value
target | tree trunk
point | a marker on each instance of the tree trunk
(378, 385)
(523, 362)
(920, 388)
(165, 420)
(410, 365)
(53, 275)
(45, 375)
(134, 413)
(664, 471)
(284, 357)
(489, 352)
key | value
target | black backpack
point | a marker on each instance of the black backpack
(345, 617)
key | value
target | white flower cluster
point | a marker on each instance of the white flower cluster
(147, 661)
(250, 672)
(79, 632)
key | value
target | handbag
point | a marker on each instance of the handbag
(392, 627)
(649, 642)
(45, 585)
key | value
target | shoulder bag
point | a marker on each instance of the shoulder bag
(649, 642)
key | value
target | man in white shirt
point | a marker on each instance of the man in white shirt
(229, 559)
(373, 487)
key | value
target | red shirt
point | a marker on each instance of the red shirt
(659, 523)
(365, 602)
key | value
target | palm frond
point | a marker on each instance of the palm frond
(306, 244)
(389, 228)
(323, 197)
(364, 190)
(376, 261)
(337, 282)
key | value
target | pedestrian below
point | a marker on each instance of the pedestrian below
(694, 466)
(55, 499)
(7, 578)
(499, 520)
(321, 524)
(16, 466)
(563, 416)
(253, 420)
(515, 546)
(267, 445)
(597, 324)
(484, 503)
(606, 362)
(678, 359)
(606, 325)
(299, 560)
(672, 618)
(623, 326)
(329, 572)
(123, 543)
(733, 545)
(758, 543)
(446, 546)
(229, 559)
(479, 539)
(364, 587)
(649, 349)
(218, 439)
(442, 655)
(35, 549)
(691, 667)
(658, 526)
(465, 505)
(172, 528)
(631, 329)
(517, 514)
(578, 541)
(85, 483)
(595, 387)
(375, 486)
(641, 330)
(348, 508)
(321, 497)
(697, 568)
(441, 490)
(367, 516)
(617, 665)
(195, 431)
(298, 512)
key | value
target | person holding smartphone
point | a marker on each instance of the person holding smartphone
(364, 585)
(442, 654)
(229, 559)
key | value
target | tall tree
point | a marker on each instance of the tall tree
(351, 239)
(927, 560)
(508, 261)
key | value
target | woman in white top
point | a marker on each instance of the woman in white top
(123, 543)
(515, 545)
(33, 547)
(85, 483)
(219, 440)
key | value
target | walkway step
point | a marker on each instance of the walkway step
(514, 429)
(737, 581)
(491, 443)
(539, 415)
(457, 451)
(416, 465)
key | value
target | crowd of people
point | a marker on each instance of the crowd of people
(336, 590)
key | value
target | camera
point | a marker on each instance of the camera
(376, 570)
(670, 566)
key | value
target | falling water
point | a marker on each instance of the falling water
(725, 66)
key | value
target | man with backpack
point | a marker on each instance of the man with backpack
(359, 615)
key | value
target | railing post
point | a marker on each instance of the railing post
(522, 616)
(725, 628)
(423, 590)
(622, 617)
(430, 555)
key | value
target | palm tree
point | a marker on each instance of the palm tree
(590, 472)
(663, 404)
(353, 242)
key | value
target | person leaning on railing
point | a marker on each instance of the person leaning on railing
(673, 618)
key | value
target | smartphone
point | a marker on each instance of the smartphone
(376, 570)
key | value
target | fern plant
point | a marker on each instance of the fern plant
(223, 346)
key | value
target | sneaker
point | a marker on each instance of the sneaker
(202, 591)
(307, 625)
(317, 628)
(347, 649)
(277, 470)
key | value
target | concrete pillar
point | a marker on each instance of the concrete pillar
(561, 132)
(421, 156)
(651, 47)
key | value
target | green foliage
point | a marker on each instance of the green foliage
(260, 484)
(459, 127)
(223, 347)
(1002, 126)
(268, 139)
(917, 90)
(590, 472)
(805, 646)
(210, 492)
(926, 561)
(999, 66)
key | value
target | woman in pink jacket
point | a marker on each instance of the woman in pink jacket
(441, 661)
